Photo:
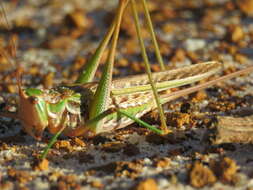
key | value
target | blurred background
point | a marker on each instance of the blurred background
(55, 38)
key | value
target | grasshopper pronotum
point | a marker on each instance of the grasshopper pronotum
(86, 109)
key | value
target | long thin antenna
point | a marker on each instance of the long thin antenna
(8, 27)
(13, 53)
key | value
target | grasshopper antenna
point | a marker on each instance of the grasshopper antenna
(11, 57)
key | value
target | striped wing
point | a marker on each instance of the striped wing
(165, 79)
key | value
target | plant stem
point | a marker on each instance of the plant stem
(142, 123)
(50, 144)
(152, 32)
(147, 67)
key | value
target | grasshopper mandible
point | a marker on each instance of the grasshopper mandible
(88, 108)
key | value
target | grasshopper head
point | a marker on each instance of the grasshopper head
(32, 112)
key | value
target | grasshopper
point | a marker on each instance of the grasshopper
(88, 108)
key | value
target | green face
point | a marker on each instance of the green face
(32, 112)
(39, 109)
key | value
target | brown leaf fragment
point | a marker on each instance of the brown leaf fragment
(232, 130)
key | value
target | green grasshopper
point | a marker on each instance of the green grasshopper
(88, 108)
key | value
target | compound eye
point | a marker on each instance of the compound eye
(33, 99)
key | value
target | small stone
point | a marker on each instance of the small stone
(194, 44)
(201, 176)
(199, 96)
(241, 58)
(246, 6)
(155, 68)
(147, 184)
(225, 169)
(79, 142)
(163, 163)
(235, 33)
(193, 56)
(136, 66)
(22, 177)
(178, 56)
(97, 184)
(123, 62)
(177, 119)
(61, 42)
(113, 146)
(169, 28)
(7, 185)
(128, 169)
(78, 19)
(41, 165)
(63, 144)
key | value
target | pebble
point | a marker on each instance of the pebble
(246, 6)
(194, 44)
(201, 176)
(235, 33)
(148, 184)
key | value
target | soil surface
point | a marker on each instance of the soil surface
(55, 39)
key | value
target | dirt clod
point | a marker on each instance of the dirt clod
(22, 177)
(225, 169)
(97, 184)
(163, 163)
(235, 33)
(41, 165)
(177, 119)
(200, 175)
(246, 6)
(63, 144)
